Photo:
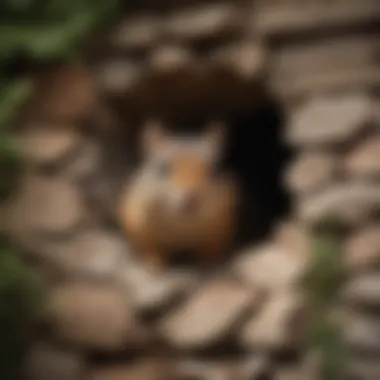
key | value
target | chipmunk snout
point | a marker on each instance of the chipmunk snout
(188, 201)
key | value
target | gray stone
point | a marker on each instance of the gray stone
(96, 316)
(311, 172)
(45, 361)
(364, 160)
(278, 325)
(330, 119)
(209, 316)
(270, 267)
(363, 201)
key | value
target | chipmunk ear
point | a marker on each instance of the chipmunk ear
(216, 135)
(153, 135)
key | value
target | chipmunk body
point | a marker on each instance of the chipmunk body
(178, 199)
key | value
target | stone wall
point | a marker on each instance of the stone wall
(108, 317)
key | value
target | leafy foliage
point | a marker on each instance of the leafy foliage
(324, 279)
(35, 32)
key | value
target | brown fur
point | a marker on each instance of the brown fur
(154, 231)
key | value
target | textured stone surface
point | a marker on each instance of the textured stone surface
(329, 119)
(311, 172)
(362, 249)
(92, 315)
(364, 160)
(247, 368)
(46, 145)
(351, 202)
(150, 290)
(63, 95)
(209, 315)
(278, 325)
(46, 205)
(137, 33)
(142, 370)
(270, 267)
(92, 253)
(361, 332)
(202, 22)
(363, 290)
(46, 361)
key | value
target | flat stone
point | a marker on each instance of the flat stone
(294, 237)
(92, 253)
(202, 22)
(363, 368)
(46, 205)
(364, 160)
(364, 200)
(137, 33)
(44, 145)
(117, 77)
(84, 163)
(246, 368)
(63, 95)
(330, 120)
(96, 316)
(151, 291)
(209, 316)
(142, 370)
(270, 267)
(311, 172)
(170, 57)
(46, 361)
(363, 290)
(362, 332)
(278, 325)
(362, 249)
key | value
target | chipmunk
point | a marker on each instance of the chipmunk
(179, 199)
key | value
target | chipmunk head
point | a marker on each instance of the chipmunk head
(185, 167)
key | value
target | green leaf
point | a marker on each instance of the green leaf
(12, 97)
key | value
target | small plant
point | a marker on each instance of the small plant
(32, 33)
(324, 279)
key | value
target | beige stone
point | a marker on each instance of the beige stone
(364, 160)
(330, 119)
(362, 249)
(209, 316)
(137, 33)
(150, 290)
(363, 290)
(47, 144)
(270, 267)
(352, 203)
(96, 316)
(44, 204)
(144, 369)
(202, 22)
(311, 172)
(279, 324)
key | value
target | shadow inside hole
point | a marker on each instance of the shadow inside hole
(258, 156)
